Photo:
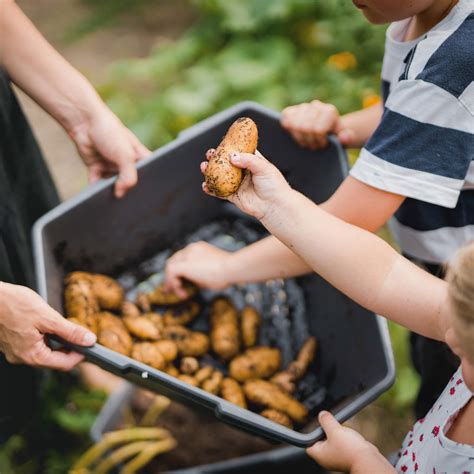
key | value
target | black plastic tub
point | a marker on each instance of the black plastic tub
(95, 232)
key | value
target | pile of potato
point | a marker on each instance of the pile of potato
(162, 340)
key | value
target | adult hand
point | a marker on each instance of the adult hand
(25, 320)
(203, 264)
(260, 190)
(107, 148)
(343, 447)
(311, 123)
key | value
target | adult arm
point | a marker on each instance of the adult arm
(104, 143)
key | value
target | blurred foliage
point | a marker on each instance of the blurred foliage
(276, 52)
(58, 433)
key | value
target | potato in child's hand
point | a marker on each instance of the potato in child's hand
(222, 177)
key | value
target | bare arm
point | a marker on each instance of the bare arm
(104, 143)
(37, 68)
(361, 265)
(353, 202)
(357, 262)
(361, 124)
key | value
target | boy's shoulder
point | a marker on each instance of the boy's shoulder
(445, 57)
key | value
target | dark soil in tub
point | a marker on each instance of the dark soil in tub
(202, 439)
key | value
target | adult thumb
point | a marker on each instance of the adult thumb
(68, 331)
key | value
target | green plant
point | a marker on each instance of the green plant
(273, 52)
(58, 433)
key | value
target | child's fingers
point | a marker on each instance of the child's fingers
(328, 423)
(206, 190)
(256, 164)
(210, 153)
(316, 451)
(203, 166)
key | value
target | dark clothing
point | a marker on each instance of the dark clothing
(433, 360)
(26, 192)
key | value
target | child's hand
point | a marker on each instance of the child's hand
(203, 264)
(310, 123)
(342, 449)
(262, 187)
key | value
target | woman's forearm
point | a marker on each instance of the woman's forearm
(360, 264)
(40, 71)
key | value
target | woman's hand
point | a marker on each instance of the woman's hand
(311, 123)
(25, 320)
(203, 264)
(345, 450)
(262, 187)
(107, 148)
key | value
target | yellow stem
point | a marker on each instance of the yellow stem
(119, 455)
(159, 405)
(148, 454)
(116, 437)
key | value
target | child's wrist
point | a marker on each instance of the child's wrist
(367, 456)
(280, 207)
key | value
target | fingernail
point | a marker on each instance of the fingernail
(235, 158)
(89, 338)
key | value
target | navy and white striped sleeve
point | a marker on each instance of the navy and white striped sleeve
(424, 145)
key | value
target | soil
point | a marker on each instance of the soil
(202, 439)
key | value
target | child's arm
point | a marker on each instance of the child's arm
(357, 262)
(354, 202)
(346, 450)
(310, 123)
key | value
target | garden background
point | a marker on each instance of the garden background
(163, 65)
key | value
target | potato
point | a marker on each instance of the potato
(188, 379)
(189, 365)
(170, 369)
(150, 354)
(250, 322)
(213, 383)
(255, 363)
(112, 333)
(160, 297)
(265, 393)
(225, 331)
(203, 373)
(108, 292)
(145, 326)
(222, 177)
(232, 392)
(299, 367)
(79, 299)
(277, 417)
(168, 349)
(190, 343)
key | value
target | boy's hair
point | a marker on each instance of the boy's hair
(460, 278)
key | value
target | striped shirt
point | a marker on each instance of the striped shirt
(424, 146)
